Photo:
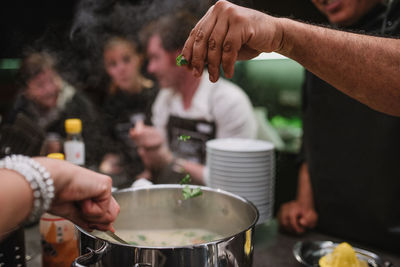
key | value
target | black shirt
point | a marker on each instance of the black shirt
(353, 154)
(121, 110)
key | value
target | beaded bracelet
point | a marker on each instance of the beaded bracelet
(38, 178)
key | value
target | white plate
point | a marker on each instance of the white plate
(244, 188)
(239, 164)
(242, 183)
(239, 145)
(240, 179)
(264, 169)
(231, 154)
(240, 174)
(244, 159)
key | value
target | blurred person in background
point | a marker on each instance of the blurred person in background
(186, 106)
(350, 152)
(129, 100)
(48, 101)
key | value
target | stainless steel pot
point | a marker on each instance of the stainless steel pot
(162, 207)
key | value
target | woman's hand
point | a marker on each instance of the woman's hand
(81, 195)
(228, 33)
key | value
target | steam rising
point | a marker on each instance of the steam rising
(79, 52)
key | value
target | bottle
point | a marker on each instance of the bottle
(59, 237)
(74, 147)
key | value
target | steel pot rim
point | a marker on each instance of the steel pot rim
(177, 186)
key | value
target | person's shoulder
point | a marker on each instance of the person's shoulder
(165, 93)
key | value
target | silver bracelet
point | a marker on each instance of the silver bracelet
(38, 178)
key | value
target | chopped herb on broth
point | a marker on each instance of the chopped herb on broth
(190, 234)
(208, 238)
(167, 238)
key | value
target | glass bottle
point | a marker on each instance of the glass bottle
(74, 147)
(58, 236)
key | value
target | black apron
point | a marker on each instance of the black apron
(193, 149)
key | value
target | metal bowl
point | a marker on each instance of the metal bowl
(309, 252)
(162, 207)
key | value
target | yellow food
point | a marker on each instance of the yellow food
(342, 256)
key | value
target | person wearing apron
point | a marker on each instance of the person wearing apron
(186, 105)
(351, 154)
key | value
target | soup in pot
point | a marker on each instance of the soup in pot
(165, 238)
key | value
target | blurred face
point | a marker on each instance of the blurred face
(43, 89)
(344, 12)
(162, 64)
(122, 63)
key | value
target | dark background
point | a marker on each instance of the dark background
(24, 22)
(27, 23)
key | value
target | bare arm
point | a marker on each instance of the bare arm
(81, 195)
(363, 67)
(195, 170)
(15, 200)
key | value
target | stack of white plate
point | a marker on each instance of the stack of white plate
(245, 167)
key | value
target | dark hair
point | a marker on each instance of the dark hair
(173, 30)
(34, 64)
(115, 39)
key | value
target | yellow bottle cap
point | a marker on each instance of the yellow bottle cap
(73, 126)
(56, 156)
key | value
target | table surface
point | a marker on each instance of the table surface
(271, 248)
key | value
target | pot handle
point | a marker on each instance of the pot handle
(92, 257)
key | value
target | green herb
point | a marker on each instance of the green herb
(189, 234)
(186, 179)
(191, 193)
(180, 60)
(142, 237)
(133, 243)
(184, 138)
(186, 191)
(208, 238)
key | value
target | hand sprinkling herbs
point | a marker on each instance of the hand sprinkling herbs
(184, 138)
(187, 192)
(180, 61)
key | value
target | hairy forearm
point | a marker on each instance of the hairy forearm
(364, 67)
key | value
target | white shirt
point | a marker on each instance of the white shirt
(222, 102)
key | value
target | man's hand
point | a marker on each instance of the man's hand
(228, 33)
(152, 147)
(296, 218)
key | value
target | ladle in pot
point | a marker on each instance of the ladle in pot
(115, 237)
